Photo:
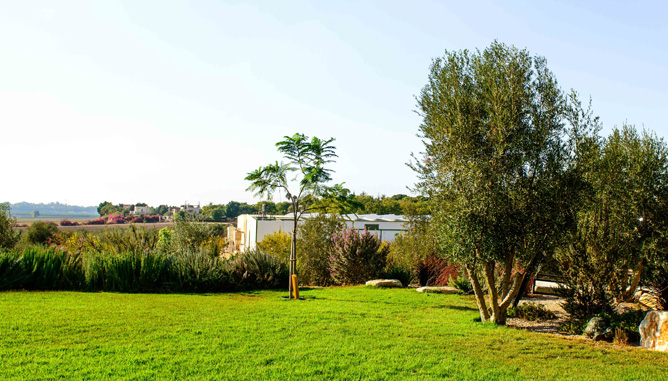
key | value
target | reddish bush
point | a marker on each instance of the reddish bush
(152, 218)
(116, 219)
(97, 221)
(435, 271)
(68, 223)
(136, 219)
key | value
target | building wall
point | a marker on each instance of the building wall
(252, 229)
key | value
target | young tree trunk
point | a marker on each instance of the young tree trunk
(628, 293)
(479, 294)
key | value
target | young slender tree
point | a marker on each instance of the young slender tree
(493, 166)
(302, 177)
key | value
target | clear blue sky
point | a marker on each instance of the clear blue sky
(170, 101)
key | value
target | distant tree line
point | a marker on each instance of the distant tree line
(400, 204)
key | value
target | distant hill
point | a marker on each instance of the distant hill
(53, 208)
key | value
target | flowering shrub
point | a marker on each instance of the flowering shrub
(116, 219)
(97, 221)
(357, 257)
(152, 218)
(136, 219)
(68, 223)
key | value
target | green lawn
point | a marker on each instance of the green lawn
(337, 333)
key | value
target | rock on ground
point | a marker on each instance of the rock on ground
(442, 290)
(385, 283)
(597, 329)
(654, 331)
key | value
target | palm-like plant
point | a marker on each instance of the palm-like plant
(306, 161)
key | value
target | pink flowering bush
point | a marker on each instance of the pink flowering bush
(116, 219)
(357, 257)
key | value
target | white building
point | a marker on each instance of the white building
(141, 210)
(251, 229)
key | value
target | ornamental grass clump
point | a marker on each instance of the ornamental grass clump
(357, 257)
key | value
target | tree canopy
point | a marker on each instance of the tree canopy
(493, 166)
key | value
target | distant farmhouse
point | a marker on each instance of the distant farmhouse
(139, 210)
(251, 228)
(190, 209)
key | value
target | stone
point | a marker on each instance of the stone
(654, 331)
(440, 290)
(650, 301)
(385, 283)
(597, 330)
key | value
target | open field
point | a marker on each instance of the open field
(26, 218)
(337, 333)
(155, 225)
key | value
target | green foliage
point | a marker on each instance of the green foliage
(276, 244)
(532, 312)
(40, 269)
(316, 243)
(41, 232)
(106, 208)
(404, 275)
(190, 234)
(412, 248)
(461, 283)
(256, 269)
(357, 257)
(494, 165)
(9, 235)
(621, 223)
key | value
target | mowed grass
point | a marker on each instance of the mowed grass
(337, 333)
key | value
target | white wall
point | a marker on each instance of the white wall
(254, 229)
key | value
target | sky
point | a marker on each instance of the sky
(166, 102)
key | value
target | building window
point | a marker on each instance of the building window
(371, 227)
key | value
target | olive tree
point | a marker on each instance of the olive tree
(302, 177)
(621, 224)
(494, 166)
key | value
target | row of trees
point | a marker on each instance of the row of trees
(517, 173)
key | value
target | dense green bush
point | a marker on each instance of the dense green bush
(531, 311)
(41, 232)
(357, 257)
(461, 283)
(257, 269)
(403, 275)
(315, 244)
(9, 235)
(277, 244)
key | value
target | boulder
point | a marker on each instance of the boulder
(385, 283)
(441, 290)
(597, 329)
(654, 331)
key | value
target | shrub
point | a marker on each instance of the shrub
(403, 275)
(277, 244)
(413, 248)
(255, 269)
(68, 223)
(9, 235)
(135, 219)
(461, 283)
(357, 257)
(435, 271)
(96, 221)
(116, 219)
(40, 232)
(40, 269)
(189, 234)
(314, 247)
(531, 311)
(151, 218)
